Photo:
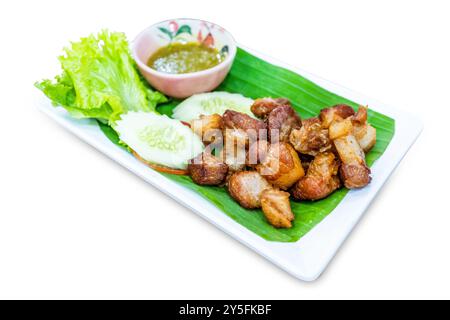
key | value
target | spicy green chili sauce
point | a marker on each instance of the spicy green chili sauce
(181, 58)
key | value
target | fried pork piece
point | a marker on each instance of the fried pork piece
(256, 153)
(321, 178)
(262, 107)
(366, 136)
(337, 112)
(353, 171)
(237, 120)
(311, 138)
(234, 148)
(206, 169)
(360, 117)
(239, 131)
(355, 176)
(363, 132)
(340, 128)
(207, 127)
(281, 166)
(281, 121)
(277, 208)
(246, 188)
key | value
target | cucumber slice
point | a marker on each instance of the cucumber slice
(159, 139)
(210, 103)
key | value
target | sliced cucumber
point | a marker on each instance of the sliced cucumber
(159, 139)
(210, 103)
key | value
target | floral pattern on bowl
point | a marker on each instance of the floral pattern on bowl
(184, 31)
(204, 35)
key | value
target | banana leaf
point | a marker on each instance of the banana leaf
(257, 78)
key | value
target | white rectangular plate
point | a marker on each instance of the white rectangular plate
(307, 258)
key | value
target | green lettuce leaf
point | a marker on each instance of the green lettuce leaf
(100, 80)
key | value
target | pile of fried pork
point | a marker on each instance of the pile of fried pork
(263, 161)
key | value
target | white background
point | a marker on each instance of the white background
(73, 224)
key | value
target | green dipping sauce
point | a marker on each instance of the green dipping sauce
(178, 58)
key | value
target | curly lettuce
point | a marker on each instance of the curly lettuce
(100, 80)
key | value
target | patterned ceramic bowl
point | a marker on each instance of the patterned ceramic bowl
(184, 30)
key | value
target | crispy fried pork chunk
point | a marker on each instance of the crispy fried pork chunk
(237, 120)
(363, 132)
(207, 127)
(281, 166)
(257, 152)
(276, 208)
(206, 169)
(311, 138)
(262, 107)
(366, 136)
(246, 188)
(234, 148)
(355, 175)
(360, 117)
(321, 178)
(354, 172)
(240, 130)
(349, 150)
(281, 121)
(340, 128)
(337, 112)
(250, 128)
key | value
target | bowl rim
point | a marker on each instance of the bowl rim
(228, 60)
